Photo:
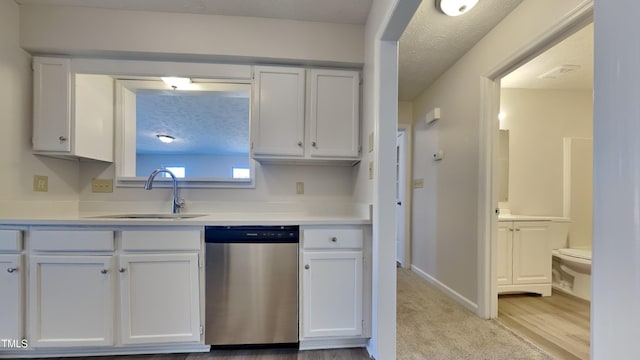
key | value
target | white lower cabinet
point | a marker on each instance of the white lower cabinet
(71, 300)
(159, 298)
(11, 296)
(524, 257)
(332, 283)
(332, 293)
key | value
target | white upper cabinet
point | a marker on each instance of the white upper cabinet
(73, 113)
(334, 113)
(321, 123)
(278, 111)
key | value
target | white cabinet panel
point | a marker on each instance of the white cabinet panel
(332, 293)
(531, 253)
(334, 118)
(72, 113)
(505, 257)
(160, 300)
(11, 296)
(52, 104)
(278, 111)
(70, 300)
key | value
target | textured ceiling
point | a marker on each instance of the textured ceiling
(433, 41)
(574, 50)
(202, 122)
(333, 11)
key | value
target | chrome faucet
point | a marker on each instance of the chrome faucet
(176, 203)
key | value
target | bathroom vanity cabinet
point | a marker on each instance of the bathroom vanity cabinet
(524, 257)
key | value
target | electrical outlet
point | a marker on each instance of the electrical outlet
(102, 185)
(418, 183)
(300, 188)
(370, 169)
(40, 183)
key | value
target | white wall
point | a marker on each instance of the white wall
(16, 160)
(445, 212)
(537, 121)
(89, 31)
(616, 254)
(166, 36)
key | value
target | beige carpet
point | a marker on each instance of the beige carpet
(433, 326)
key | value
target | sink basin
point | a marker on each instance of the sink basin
(151, 216)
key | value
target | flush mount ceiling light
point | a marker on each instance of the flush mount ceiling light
(176, 82)
(166, 138)
(455, 7)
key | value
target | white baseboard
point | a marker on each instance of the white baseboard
(447, 290)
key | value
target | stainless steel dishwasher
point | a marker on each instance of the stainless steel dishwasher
(251, 285)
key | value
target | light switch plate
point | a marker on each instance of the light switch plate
(418, 183)
(299, 187)
(40, 183)
(102, 185)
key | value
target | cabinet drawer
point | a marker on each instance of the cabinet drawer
(332, 238)
(10, 240)
(161, 240)
(71, 240)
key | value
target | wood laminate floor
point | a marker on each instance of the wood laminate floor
(558, 324)
(258, 354)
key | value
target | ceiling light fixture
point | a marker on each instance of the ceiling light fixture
(176, 82)
(455, 7)
(165, 138)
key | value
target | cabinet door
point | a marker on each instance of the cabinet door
(531, 253)
(11, 297)
(332, 293)
(334, 117)
(505, 248)
(278, 111)
(70, 300)
(51, 104)
(160, 299)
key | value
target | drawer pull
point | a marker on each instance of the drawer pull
(121, 270)
(104, 271)
(307, 267)
(12, 270)
(334, 239)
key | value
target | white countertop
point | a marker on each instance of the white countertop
(209, 219)
(513, 217)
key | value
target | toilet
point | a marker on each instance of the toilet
(571, 267)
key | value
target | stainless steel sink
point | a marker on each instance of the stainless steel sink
(151, 216)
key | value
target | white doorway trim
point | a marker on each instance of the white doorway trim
(406, 168)
(488, 176)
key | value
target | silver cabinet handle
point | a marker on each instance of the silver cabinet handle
(510, 229)
(122, 270)
(314, 144)
(104, 271)
(299, 143)
(307, 267)
(517, 229)
(62, 139)
(11, 270)
(334, 239)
